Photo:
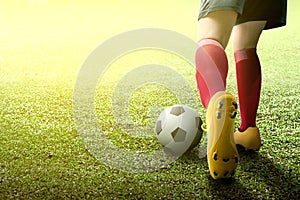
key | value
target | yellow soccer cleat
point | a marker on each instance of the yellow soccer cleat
(222, 154)
(249, 139)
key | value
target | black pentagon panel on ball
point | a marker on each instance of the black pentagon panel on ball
(199, 122)
(199, 133)
(177, 110)
(178, 135)
(158, 127)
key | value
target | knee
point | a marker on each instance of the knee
(246, 35)
(218, 26)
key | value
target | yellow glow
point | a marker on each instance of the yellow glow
(49, 23)
(34, 3)
(37, 21)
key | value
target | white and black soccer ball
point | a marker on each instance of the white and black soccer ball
(178, 129)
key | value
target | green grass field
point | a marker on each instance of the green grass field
(43, 45)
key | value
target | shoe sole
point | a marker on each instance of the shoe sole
(222, 154)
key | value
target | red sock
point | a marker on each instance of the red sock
(248, 73)
(212, 69)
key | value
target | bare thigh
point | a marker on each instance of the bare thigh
(217, 25)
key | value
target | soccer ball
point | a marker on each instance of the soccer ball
(178, 129)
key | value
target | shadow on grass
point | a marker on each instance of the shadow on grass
(219, 189)
(259, 178)
(229, 189)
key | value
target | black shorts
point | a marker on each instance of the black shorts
(272, 11)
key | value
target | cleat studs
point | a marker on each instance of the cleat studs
(234, 115)
(219, 115)
(226, 173)
(235, 104)
(226, 159)
(221, 105)
(215, 156)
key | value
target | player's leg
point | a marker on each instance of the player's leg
(212, 67)
(248, 74)
(211, 60)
